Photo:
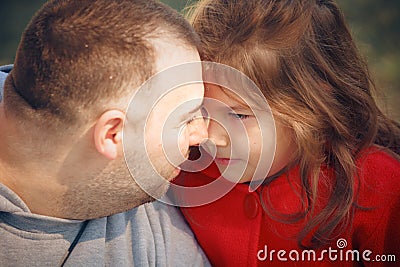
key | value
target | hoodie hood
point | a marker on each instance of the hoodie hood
(10, 202)
(4, 70)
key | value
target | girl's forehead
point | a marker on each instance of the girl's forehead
(225, 95)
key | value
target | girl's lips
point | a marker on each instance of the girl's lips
(225, 161)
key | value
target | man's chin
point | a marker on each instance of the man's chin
(157, 191)
(174, 174)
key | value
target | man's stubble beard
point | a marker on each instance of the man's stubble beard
(112, 190)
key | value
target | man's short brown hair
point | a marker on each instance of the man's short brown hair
(77, 54)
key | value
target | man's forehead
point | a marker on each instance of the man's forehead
(186, 95)
(171, 52)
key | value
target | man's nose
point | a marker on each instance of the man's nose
(198, 131)
(217, 133)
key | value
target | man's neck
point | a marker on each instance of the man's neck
(26, 170)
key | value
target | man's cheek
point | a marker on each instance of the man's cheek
(174, 145)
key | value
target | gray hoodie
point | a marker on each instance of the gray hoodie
(152, 234)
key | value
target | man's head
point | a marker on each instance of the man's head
(75, 57)
(76, 69)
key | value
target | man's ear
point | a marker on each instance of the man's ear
(108, 133)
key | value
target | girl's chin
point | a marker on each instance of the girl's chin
(234, 175)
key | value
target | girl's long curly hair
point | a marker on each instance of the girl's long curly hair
(303, 58)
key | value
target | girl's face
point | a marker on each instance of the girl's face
(238, 140)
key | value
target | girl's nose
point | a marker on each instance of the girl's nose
(217, 133)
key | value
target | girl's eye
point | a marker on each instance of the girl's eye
(239, 116)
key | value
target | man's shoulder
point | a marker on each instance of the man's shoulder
(159, 217)
(162, 232)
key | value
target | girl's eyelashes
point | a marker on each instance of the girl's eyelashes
(239, 116)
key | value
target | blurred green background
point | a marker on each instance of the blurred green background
(374, 24)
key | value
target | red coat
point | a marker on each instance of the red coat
(236, 231)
